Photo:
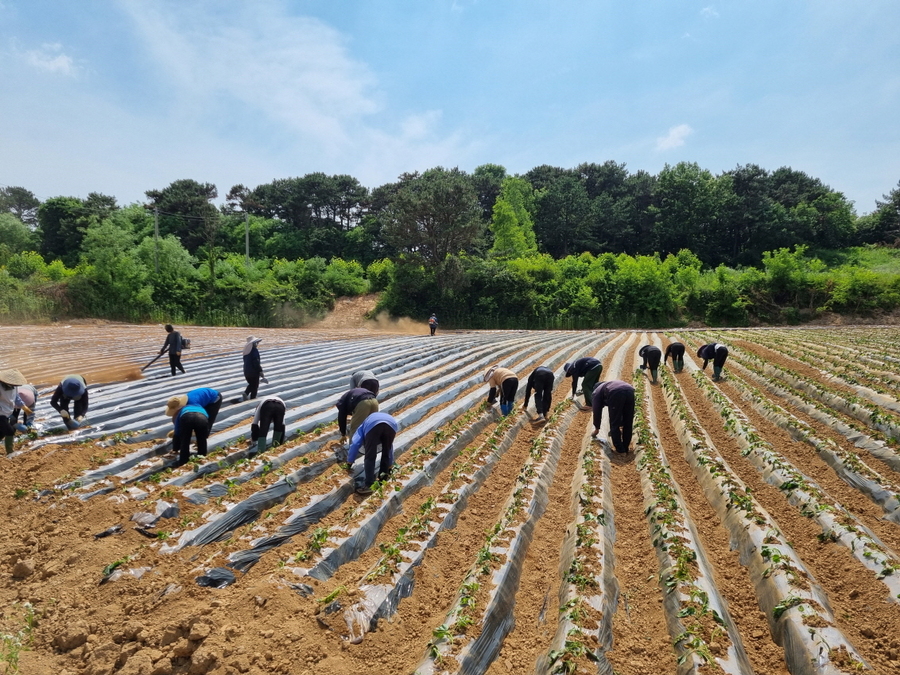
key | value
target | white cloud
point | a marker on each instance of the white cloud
(675, 138)
(51, 59)
(709, 13)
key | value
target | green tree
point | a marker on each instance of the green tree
(512, 224)
(562, 222)
(61, 226)
(185, 211)
(21, 203)
(488, 180)
(15, 236)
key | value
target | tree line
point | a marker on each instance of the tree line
(550, 247)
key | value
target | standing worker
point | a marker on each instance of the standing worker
(365, 379)
(652, 356)
(188, 419)
(506, 382)
(676, 351)
(173, 344)
(10, 380)
(358, 402)
(717, 353)
(253, 371)
(541, 380)
(433, 323)
(378, 429)
(26, 399)
(72, 388)
(618, 396)
(587, 368)
(269, 411)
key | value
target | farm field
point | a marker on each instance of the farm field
(754, 528)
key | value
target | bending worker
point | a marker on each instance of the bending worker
(378, 429)
(26, 399)
(358, 402)
(10, 380)
(173, 345)
(587, 368)
(269, 411)
(188, 419)
(253, 371)
(506, 382)
(618, 396)
(541, 380)
(365, 379)
(72, 388)
(717, 353)
(652, 356)
(676, 351)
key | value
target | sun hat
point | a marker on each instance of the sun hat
(175, 404)
(13, 377)
(490, 371)
(73, 387)
(248, 346)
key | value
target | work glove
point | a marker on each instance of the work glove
(343, 440)
(171, 434)
(594, 433)
(347, 466)
(264, 380)
(64, 414)
(79, 419)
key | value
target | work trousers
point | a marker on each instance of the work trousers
(252, 384)
(380, 435)
(191, 423)
(212, 410)
(175, 362)
(621, 418)
(589, 382)
(271, 413)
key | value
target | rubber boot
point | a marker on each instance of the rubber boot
(717, 373)
(277, 438)
(504, 409)
(260, 445)
(653, 373)
(679, 365)
(8, 444)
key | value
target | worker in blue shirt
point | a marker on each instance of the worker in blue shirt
(378, 429)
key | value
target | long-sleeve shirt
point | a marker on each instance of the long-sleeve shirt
(186, 409)
(26, 396)
(607, 394)
(7, 401)
(651, 355)
(258, 412)
(202, 396)
(365, 379)
(675, 350)
(368, 424)
(540, 378)
(172, 343)
(708, 352)
(60, 401)
(252, 363)
(496, 379)
(347, 403)
(580, 368)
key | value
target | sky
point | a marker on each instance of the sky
(124, 96)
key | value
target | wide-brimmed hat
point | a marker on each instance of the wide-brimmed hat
(248, 345)
(73, 388)
(175, 404)
(13, 377)
(490, 371)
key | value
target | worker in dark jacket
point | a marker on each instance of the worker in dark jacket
(173, 345)
(270, 411)
(72, 388)
(652, 356)
(618, 396)
(587, 368)
(10, 381)
(717, 353)
(188, 419)
(358, 402)
(378, 429)
(433, 323)
(541, 380)
(365, 379)
(676, 351)
(253, 371)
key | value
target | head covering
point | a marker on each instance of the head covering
(566, 369)
(490, 371)
(13, 377)
(73, 388)
(27, 394)
(175, 404)
(251, 342)
(700, 352)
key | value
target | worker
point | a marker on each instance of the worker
(433, 323)
(269, 411)
(618, 396)
(26, 399)
(378, 429)
(676, 351)
(173, 345)
(652, 356)
(358, 402)
(72, 388)
(587, 368)
(208, 399)
(504, 381)
(541, 380)
(188, 419)
(253, 371)
(717, 353)
(365, 379)
(10, 380)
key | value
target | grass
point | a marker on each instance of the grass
(13, 644)
(876, 258)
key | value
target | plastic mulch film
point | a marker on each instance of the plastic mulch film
(770, 560)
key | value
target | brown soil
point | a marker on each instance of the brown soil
(165, 624)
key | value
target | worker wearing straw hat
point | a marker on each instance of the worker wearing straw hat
(10, 380)
(253, 371)
(188, 418)
(72, 388)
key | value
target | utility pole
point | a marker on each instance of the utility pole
(247, 236)
(156, 236)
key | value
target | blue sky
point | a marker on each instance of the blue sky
(122, 96)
